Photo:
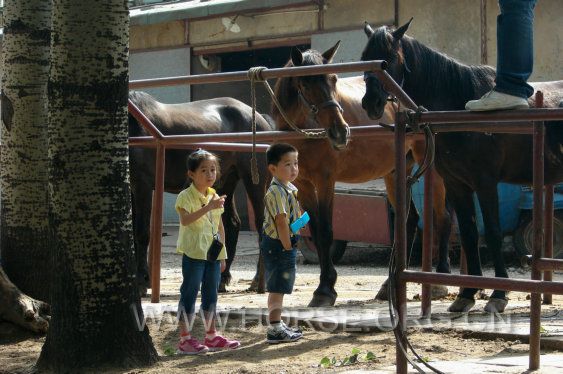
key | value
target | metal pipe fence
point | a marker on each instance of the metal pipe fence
(517, 121)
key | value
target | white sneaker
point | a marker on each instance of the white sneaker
(494, 100)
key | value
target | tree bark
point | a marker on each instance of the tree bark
(15, 307)
(97, 318)
(24, 212)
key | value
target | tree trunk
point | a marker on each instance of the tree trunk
(24, 212)
(21, 309)
(96, 308)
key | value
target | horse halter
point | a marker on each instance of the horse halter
(315, 109)
(406, 70)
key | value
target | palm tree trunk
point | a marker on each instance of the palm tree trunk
(24, 213)
(95, 304)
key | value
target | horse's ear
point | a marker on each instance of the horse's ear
(400, 32)
(329, 53)
(367, 29)
(296, 56)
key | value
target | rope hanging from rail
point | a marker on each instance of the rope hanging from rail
(255, 75)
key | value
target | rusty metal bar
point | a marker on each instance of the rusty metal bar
(209, 146)
(427, 241)
(548, 246)
(265, 74)
(538, 178)
(499, 127)
(545, 264)
(400, 242)
(156, 219)
(549, 264)
(476, 281)
(391, 86)
(262, 136)
(464, 116)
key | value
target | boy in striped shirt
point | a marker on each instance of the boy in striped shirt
(278, 246)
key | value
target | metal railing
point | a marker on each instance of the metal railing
(440, 122)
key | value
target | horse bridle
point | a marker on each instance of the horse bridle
(406, 70)
(314, 109)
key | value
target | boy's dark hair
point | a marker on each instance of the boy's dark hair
(275, 152)
(196, 158)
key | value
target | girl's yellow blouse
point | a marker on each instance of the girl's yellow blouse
(194, 239)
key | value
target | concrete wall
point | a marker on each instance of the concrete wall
(159, 64)
(452, 27)
(548, 39)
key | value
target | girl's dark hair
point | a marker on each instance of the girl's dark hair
(198, 156)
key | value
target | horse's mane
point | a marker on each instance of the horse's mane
(439, 74)
(284, 88)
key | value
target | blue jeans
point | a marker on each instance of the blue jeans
(515, 47)
(196, 273)
(279, 265)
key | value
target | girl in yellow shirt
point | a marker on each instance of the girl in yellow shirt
(200, 208)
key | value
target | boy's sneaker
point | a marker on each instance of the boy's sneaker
(294, 329)
(282, 335)
(219, 343)
(191, 347)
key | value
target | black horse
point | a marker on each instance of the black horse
(467, 161)
(218, 115)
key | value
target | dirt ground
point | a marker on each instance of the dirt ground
(357, 283)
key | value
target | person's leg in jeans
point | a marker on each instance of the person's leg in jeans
(515, 58)
(209, 287)
(515, 47)
(192, 273)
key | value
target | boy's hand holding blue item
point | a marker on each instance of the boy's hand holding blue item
(299, 223)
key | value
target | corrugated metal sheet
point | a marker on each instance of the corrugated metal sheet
(158, 13)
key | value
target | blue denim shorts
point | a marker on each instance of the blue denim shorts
(279, 264)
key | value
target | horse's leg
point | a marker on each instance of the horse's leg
(319, 207)
(488, 201)
(231, 223)
(461, 197)
(256, 194)
(141, 207)
(412, 226)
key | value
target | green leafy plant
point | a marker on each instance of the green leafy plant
(355, 357)
(169, 350)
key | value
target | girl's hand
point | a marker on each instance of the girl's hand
(216, 202)
(223, 265)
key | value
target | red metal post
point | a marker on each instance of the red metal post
(427, 241)
(156, 219)
(548, 251)
(400, 242)
(535, 302)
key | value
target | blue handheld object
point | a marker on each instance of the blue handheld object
(299, 223)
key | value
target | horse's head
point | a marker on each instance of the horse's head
(316, 95)
(383, 44)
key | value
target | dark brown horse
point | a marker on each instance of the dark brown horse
(467, 161)
(322, 162)
(205, 116)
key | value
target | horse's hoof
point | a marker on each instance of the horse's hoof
(438, 292)
(222, 288)
(383, 293)
(495, 305)
(322, 300)
(461, 305)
